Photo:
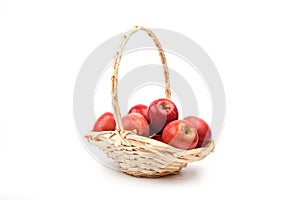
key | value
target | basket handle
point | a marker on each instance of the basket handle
(116, 65)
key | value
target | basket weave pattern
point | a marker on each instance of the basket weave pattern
(136, 155)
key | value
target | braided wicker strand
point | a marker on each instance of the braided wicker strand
(116, 66)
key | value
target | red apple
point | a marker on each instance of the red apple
(106, 122)
(140, 108)
(180, 134)
(157, 137)
(203, 130)
(136, 121)
(160, 113)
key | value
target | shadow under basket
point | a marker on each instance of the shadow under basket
(137, 155)
(144, 157)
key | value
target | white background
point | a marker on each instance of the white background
(149, 91)
(255, 46)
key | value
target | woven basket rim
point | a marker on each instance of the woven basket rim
(131, 135)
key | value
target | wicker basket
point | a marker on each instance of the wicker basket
(137, 155)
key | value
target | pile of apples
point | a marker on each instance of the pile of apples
(160, 121)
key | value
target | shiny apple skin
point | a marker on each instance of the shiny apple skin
(106, 122)
(136, 121)
(160, 113)
(140, 108)
(180, 134)
(203, 130)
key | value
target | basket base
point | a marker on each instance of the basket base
(154, 175)
(144, 157)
